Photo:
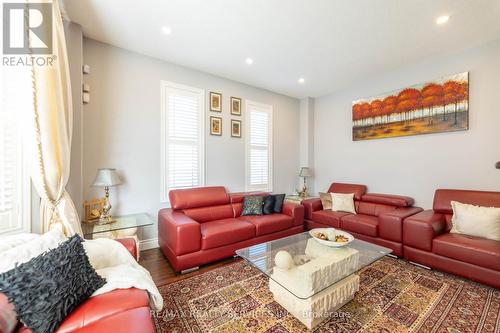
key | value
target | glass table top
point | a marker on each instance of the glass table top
(121, 223)
(305, 267)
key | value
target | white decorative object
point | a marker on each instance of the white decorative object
(342, 202)
(313, 310)
(314, 278)
(284, 260)
(86, 69)
(325, 265)
(331, 233)
(86, 87)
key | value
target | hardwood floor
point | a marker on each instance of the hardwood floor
(161, 271)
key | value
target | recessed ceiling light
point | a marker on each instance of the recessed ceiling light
(442, 19)
(301, 80)
(249, 61)
(166, 30)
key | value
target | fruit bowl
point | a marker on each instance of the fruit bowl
(331, 234)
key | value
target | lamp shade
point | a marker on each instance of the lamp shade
(305, 172)
(106, 177)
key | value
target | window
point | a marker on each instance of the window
(259, 148)
(15, 185)
(182, 137)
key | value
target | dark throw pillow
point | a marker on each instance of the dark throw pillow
(269, 205)
(49, 287)
(278, 203)
(252, 205)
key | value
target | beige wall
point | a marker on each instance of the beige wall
(121, 128)
(415, 165)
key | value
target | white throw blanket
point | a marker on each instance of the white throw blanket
(109, 258)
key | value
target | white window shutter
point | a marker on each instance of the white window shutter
(182, 146)
(259, 146)
(14, 179)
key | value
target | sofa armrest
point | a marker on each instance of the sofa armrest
(130, 245)
(294, 210)
(391, 223)
(419, 230)
(181, 233)
(310, 206)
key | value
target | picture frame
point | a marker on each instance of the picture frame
(235, 128)
(93, 209)
(215, 102)
(215, 126)
(235, 106)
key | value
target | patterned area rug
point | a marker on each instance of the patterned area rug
(394, 296)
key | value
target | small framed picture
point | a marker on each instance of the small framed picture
(215, 125)
(215, 102)
(236, 106)
(235, 128)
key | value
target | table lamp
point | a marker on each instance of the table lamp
(304, 173)
(106, 177)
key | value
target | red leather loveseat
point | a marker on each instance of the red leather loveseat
(205, 224)
(379, 217)
(427, 239)
(120, 310)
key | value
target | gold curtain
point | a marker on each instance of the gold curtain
(49, 135)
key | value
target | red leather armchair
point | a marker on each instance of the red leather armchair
(120, 310)
(427, 239)
(379, 217)
(205, 225)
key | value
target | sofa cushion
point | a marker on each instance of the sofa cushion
(443, 199)
(211, 213)
(252, 205)
(474, 250)
(328, 217)
(360, 223)
(268, 207)
(374, 209)
(357, 189)
(198, 197)
(388, 199)
(105, 305)
(267, 224)
(223, 232)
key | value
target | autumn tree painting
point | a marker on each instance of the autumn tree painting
(438, 106)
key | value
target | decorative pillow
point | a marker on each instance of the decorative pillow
(269, 202)
(278, 203)
(252, 205)
(475, 220)
(50, 286)
(342, 202)
(326, 200)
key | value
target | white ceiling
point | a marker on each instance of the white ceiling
(331, 43)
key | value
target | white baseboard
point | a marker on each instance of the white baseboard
(147, 244)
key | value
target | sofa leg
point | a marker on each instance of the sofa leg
(189, 270)
(392, 256)
(419, 265)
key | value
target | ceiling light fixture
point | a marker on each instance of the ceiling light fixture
(301, 80)
(166, 30)
(442, 19)
(249, 61)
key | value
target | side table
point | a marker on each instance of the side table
(297, 199)
(123, 227)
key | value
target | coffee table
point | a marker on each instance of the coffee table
(308, 279)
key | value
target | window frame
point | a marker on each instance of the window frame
(270, 146)
(164, 85)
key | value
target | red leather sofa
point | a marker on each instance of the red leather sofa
(427, 239)
(120, 310)
(205, 225)
(379, 217)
